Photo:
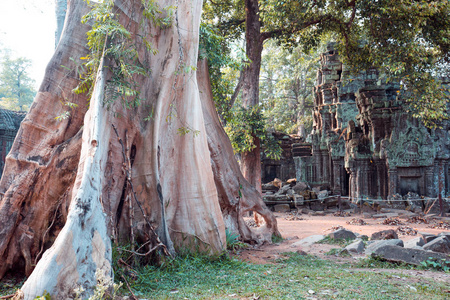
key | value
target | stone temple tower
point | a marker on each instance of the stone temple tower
(364, 144)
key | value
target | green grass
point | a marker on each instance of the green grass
(294, 277)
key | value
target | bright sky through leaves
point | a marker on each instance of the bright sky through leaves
(27, 28)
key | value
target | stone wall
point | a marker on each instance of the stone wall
(9, 125)
(283, 168)
(364, 144)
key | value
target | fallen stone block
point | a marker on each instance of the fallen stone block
(428, 237)
(372, 246)
(386, 215)
(408, 255)
(446, 234)
(384, 235)
(308, 241)
(356, 247)
(342, 234)
(440, 244)
(418, 241)
(282, 208)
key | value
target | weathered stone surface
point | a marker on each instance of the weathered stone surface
(446, 234)
(300, 187)
(428, 237)
(385, 215)
(439, 244)
(298, 200)
(384, 235)
(284, 190)
(282, 208)
(308, 241)
(342, 234)
(9, 125)
(356, 247)
(372, 246)
(384, 153)
(322, 195)
(418, 241)
(407, 255)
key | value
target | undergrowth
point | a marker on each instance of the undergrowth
(292, 277)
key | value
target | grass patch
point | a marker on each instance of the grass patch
(293, 277)
(339, 242)
(276, 239)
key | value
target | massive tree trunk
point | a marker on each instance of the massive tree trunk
(251, 161)
(66, 184)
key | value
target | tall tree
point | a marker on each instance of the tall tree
(286, 88)
(16, 87)
(147, 158)
(408, 39)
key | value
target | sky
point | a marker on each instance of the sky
(27, 28)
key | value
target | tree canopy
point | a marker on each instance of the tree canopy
(408, 40)
(16, 87)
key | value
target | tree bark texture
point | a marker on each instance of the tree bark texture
(251, 161)
(64, 183)
(236, 195)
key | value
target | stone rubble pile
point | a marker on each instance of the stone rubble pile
(386, 245)
(285, 196)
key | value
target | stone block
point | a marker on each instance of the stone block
(282, 208)
(440, 244)
(300, 187)
(372, 246)
(446, 234)
(342, 234)
(308, 241)
(322, 195)
(418, 241)
(385, 215)
(356, 247)
(407, 255)
(428, 237)
(384, 235)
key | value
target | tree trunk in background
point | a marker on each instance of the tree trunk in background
(236, 195)
(251, 161)
(64, 185)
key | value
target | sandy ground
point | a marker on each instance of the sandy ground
(295, 230)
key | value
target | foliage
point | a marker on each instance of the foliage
(407, 40)
(225, 61)
(232, 240)
(16, 87)
(286, 86)
(276, 239)
(244, 126)
(110, 39)
(436, 264)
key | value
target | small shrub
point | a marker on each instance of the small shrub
(436, 264)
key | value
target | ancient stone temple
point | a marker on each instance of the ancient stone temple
(364, 144)
(9, 125)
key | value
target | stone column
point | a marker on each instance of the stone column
(337, 184)
(325, 168)
(393, 179)
(430, 191)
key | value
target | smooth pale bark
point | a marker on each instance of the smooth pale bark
(64, 183)
(83, 246)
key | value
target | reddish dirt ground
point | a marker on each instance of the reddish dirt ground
(293, 231)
